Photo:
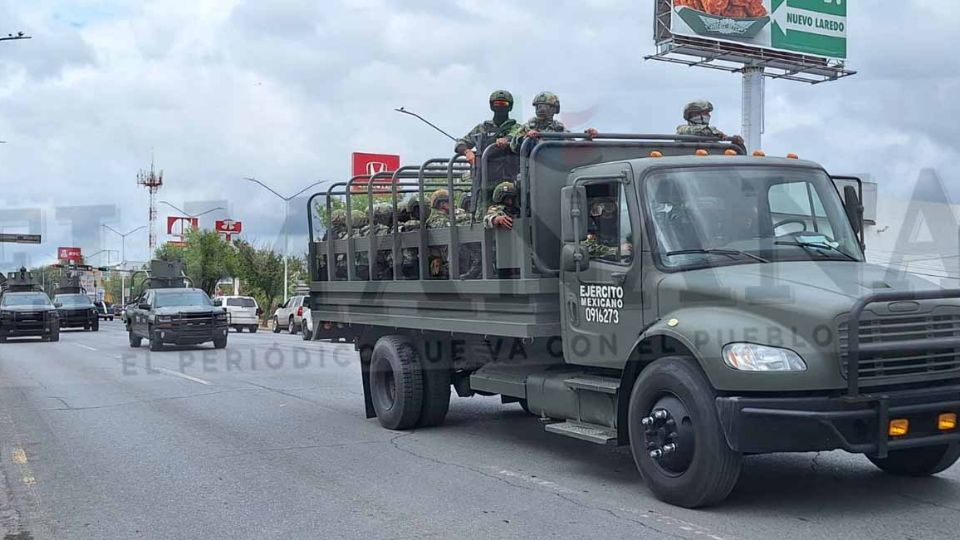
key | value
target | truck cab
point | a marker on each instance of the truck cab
(672, 295)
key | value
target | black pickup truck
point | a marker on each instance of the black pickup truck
(178, 316)
(77, 311)
(28, 313)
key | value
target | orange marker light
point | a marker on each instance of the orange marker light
(759, 153)
(947, 421)
(792, 156)
(729, 152)
(656, 153)
(899, 427)
(702, 152)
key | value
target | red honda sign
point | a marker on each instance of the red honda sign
(367, 165)
(229, 226)
(193, 223)
(69, 254)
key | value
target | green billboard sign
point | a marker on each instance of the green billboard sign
(812, 27)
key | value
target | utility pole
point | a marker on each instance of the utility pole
(286, 203)
(153, 182)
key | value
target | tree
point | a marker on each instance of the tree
(261, 270)
(207, 258)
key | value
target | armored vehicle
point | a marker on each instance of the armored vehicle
(166, 311)
(25, 310)
(75, 308)
(670, 294)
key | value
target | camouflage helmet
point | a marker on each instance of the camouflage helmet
(550, 99)
(501, 95)
(413, 208)
(338, 217)
(504, 190)
(465, 202)
(697, 107)
(383, 214)
(359, 218)
(439, 197)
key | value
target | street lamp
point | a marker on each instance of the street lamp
(286, 202)
(188, 214)
(123, 256)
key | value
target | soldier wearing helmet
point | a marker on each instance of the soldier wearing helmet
(698, 114)
(359, 221)
(546, 105)
(410, 219)
(495, 131)
(504, 209)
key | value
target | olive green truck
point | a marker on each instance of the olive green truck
(664, 292)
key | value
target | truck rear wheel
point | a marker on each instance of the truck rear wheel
(675, 435)
(436, 392)
(919, 461)
(396, 383)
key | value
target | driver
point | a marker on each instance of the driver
(601, 233)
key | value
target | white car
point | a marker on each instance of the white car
(289, 316)
(242, 312)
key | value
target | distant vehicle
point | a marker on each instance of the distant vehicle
(103, 310)
(290, 314)
(77, 311)
(25, 310)
(242, 312)
(165, 310)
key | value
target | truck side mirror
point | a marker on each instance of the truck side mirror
(854, 208)
(573, 214)
(144, 305)
(574, 258)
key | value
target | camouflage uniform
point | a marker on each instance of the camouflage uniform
(382, 226)
(502, 162)
(361, 259)
(440, 218)
(337, 231)
(410, 267)
(595, 249)
(503, 190)
(543, 125)
(697, 115)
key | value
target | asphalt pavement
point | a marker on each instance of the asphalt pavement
(267, 439)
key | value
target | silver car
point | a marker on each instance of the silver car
(289, 315)
(242, 312)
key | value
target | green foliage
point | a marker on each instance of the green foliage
(261, 275)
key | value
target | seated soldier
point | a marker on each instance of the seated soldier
(361, 259)
(501, 215)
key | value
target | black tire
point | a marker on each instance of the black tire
(291, 326)
(306, 333)
(396, 383)
(220, 343)
(436, 392)
(55, 333)
(155, 343)
(253, 329)
(135, 340)
(96, 326)
(276, 326)
(917, 462)
(703, 470)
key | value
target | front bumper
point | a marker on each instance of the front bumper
(27, 330)
(190, 333)
(77, 320)
(858, 425)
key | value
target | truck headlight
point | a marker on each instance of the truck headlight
(752, 357)
(164, 318)
(221, 316)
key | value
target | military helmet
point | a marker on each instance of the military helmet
(549, 98)
(504, 190)
(439, 197)
(338, 217)
(697, 107)
(359, 218)
(465, 202)
(383, 214)
(501, 95)
(413, 206)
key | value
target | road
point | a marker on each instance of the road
(267, 439)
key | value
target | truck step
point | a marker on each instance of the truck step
(593, 383)
(585, 432)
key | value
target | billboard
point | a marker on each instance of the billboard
(69, 254)
(809, 27)
(365, 164)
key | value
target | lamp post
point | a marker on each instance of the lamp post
(286, 202)
(188, 214)
(123, 257)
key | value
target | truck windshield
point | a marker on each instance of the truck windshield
(185, 298)
(73, 300)
(25, 300)
(714, 216)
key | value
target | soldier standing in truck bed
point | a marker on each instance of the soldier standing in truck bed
(547, 105)
(698, 114)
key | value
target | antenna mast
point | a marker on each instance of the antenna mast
(153, 181)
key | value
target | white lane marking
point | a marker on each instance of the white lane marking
(89, 348)
(182, 376)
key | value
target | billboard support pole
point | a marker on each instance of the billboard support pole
(753, 102)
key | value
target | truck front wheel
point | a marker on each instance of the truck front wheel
(919, 461)
(396, 383)
(675, 435)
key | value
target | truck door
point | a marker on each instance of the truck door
(141, 316)
(602, 311)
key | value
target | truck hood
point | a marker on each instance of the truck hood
(828, 288)
(174, 310)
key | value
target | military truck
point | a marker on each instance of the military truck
(671, 294)
(165, 310)
(25, 310)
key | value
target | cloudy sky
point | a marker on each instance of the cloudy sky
(285, 90)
